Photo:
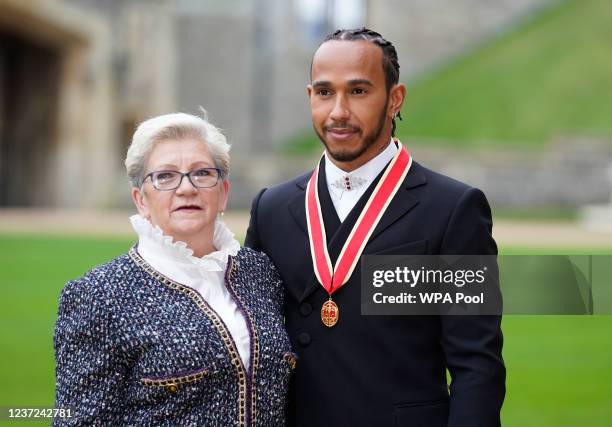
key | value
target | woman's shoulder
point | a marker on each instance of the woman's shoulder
(254, 260)
(102, 278)
(246, 254)
(255, 264)
(253, 273)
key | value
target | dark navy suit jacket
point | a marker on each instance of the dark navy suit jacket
(385, 370)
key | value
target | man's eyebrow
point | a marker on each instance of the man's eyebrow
(358, 82)
(353, 82)
(321, 83)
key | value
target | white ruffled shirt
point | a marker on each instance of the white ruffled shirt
(344, 201)
(206, 274)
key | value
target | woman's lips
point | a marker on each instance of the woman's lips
(188, 208)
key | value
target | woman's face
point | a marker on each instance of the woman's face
(187, 212)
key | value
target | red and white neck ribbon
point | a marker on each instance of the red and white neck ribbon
(334, 277)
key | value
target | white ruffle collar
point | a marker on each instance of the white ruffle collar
(155, 240)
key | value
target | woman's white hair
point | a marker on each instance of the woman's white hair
(176, 126)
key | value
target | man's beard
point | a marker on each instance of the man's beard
(369, 140)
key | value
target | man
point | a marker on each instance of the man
(356, 370)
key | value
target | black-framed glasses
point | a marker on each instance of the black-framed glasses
(171, 180)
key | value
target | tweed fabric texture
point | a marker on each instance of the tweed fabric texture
(136, 348)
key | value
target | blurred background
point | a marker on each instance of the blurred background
(512, 96)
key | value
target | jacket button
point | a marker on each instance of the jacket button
(304, 339)
(305, 309)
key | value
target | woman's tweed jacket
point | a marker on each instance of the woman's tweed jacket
(136, 348)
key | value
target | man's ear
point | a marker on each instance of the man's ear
(139, 199)
(396, 99)
(309, 91)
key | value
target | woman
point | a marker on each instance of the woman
(186, 328)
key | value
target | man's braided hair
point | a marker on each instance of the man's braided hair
(390, 64)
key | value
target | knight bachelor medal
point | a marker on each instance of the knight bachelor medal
(330, 313)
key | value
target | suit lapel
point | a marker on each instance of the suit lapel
(297, 210)
(297, 205)
(402, 202)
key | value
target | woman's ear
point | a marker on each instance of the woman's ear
(140, 201)
(225, 188)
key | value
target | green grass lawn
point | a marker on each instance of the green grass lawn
(32, 273)
(550, 76)
(558, 367)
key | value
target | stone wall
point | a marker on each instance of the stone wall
(569, 172)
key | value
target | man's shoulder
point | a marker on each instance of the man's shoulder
(293, 186)
(443, 192)
(439, 181)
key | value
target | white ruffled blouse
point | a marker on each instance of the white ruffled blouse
(206, 274)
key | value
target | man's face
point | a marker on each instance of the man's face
(349, 101)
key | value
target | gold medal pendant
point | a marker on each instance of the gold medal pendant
(329, 313)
